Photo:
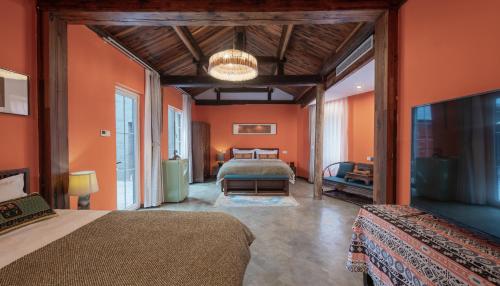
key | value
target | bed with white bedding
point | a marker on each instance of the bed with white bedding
(255, 172)
(85, 247)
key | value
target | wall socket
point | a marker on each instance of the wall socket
(284, 152)
(105, 133)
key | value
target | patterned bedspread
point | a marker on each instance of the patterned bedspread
(400, 245)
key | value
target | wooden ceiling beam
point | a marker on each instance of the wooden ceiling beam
(236, 102)
(259, 81)
(219, 6)
(346, 48)
(190, 43)
(84, 16)
(187, 39)
(244, 89)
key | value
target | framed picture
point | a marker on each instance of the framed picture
(13, 93)
(254, 128)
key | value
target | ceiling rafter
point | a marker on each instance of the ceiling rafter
(124, 49)
(259, 81)
(286, 34)
(190, 43)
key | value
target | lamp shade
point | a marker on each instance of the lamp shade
(220, 156)
(83, 183)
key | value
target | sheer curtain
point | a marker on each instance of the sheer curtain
(153, 192)
(186, 148)
(335, 138)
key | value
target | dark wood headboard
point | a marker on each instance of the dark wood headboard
(9, 173)
(231, 154)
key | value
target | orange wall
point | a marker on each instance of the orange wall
(221, 119)
(171, 97)
(94, 70)
(19, 141)
(361, 126)
(447, 49)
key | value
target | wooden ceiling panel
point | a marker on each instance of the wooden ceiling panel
(263, 40)
(310, 45)
(308, 48)
(212, 39)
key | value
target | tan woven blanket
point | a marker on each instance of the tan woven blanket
(141, 248)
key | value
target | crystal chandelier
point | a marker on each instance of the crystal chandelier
(233, 65)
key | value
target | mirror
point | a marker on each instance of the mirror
(13, 93)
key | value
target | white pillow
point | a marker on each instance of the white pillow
(12, 188)
(259, 151)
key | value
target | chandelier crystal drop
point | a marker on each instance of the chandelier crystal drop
(233, 65)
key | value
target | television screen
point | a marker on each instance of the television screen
(455, 166)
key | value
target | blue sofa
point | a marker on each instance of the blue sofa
(338, 182)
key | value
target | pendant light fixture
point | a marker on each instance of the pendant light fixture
(234, 64)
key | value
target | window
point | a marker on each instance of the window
(174, 131)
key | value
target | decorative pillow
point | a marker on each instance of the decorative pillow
(267, 156)
(23, 211)
(344, 168)
(12, 188)
(243, 156)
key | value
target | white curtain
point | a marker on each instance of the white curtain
(335, 136)
(186, 149)
(312, 138)
(153, 191)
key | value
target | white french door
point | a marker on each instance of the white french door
(127, 149)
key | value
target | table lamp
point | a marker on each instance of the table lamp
(219, 157)
(82, 184)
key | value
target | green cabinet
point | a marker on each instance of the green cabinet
(175, 180)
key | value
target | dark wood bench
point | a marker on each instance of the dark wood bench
(265, 185)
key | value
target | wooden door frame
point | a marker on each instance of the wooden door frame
(54, 16)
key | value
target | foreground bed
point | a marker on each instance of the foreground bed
(127, 248)
(68, 247)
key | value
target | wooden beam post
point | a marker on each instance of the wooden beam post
(318, 142)
(53, 111)
(384, 176)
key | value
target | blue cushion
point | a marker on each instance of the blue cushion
(255, 177)
(345, 168)
(349, 183)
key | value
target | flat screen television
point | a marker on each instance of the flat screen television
(455, 161)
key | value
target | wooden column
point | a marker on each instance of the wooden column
(53, 111)
(386, 32)
(318, 142)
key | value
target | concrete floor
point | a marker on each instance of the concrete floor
(304, 245)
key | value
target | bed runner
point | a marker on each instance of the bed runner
(400, 245)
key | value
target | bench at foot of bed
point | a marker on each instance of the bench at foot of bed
(265, 185)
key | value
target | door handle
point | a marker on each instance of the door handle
(117, 163)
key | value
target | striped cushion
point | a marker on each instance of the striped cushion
(23, 211)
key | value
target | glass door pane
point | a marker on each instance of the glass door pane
(127, 150)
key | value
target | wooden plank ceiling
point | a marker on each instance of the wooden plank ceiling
(175, 51)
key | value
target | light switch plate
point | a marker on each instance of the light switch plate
(106, 133)
(285, 152)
